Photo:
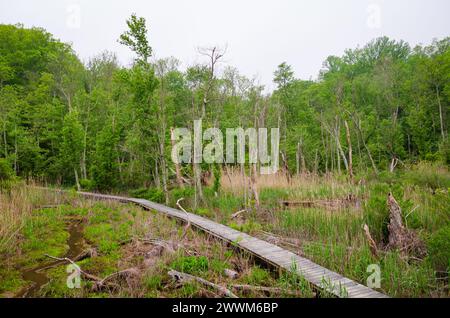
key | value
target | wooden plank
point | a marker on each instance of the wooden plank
(268, 252)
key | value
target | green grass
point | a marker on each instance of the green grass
(191, 264)
(331, 238)
(335, 238)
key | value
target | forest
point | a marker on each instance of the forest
(375, 121)
(105, 126)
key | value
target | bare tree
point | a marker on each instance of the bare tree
(350, 155)
(213, 54)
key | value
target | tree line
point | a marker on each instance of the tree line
(100, 125)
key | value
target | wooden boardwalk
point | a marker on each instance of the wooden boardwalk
(317, 275)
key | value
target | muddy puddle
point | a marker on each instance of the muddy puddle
(37, 275)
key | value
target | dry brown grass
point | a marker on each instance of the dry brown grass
(304, 186)
(155, 244)
(14, 210)
(16, 206)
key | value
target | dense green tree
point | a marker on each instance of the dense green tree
(72, 144)
(109, 126)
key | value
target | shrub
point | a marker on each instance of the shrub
(203, 212)
(87, 184)
(247, 227)
(151, 194)
(7, 175)
(444, 152)
(6, 172)
(185, 192)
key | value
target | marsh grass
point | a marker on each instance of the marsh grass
(335, 238)
(118, 233)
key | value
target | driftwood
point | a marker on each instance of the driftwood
(65, 259)
(91, 252)
(401, 238)
(183, 277)
(372, 245)
(100, 283)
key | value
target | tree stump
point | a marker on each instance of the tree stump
(404, 240)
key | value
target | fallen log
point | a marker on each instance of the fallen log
(183, 277)
(331, 204)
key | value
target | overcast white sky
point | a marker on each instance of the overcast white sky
(259, 34)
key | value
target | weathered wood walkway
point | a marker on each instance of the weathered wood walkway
(317, 275)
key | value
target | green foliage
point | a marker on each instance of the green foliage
(87, 184)
(43, 234)
(191, 264)
(136, 38)
(105, 171)
(6, 172)
(151, 194)
(72, 142)
(203, 212)
(61, 119)
(444, 152)
(257, 276)
(185, 192)
(427, 175)
(248, 226)
(217, 172)
(439, 249)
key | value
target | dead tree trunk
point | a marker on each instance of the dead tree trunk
(393, 164)
(441, 117)
(372, 245)
(400, 238)
(286, 167)
(77, 180)
(301, 163)
(350, 155)
(254, 154)
(177, 165)
(254, 185)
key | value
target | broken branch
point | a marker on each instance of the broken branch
(188, 225)
(235, 215)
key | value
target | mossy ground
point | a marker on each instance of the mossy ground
(121, 235)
